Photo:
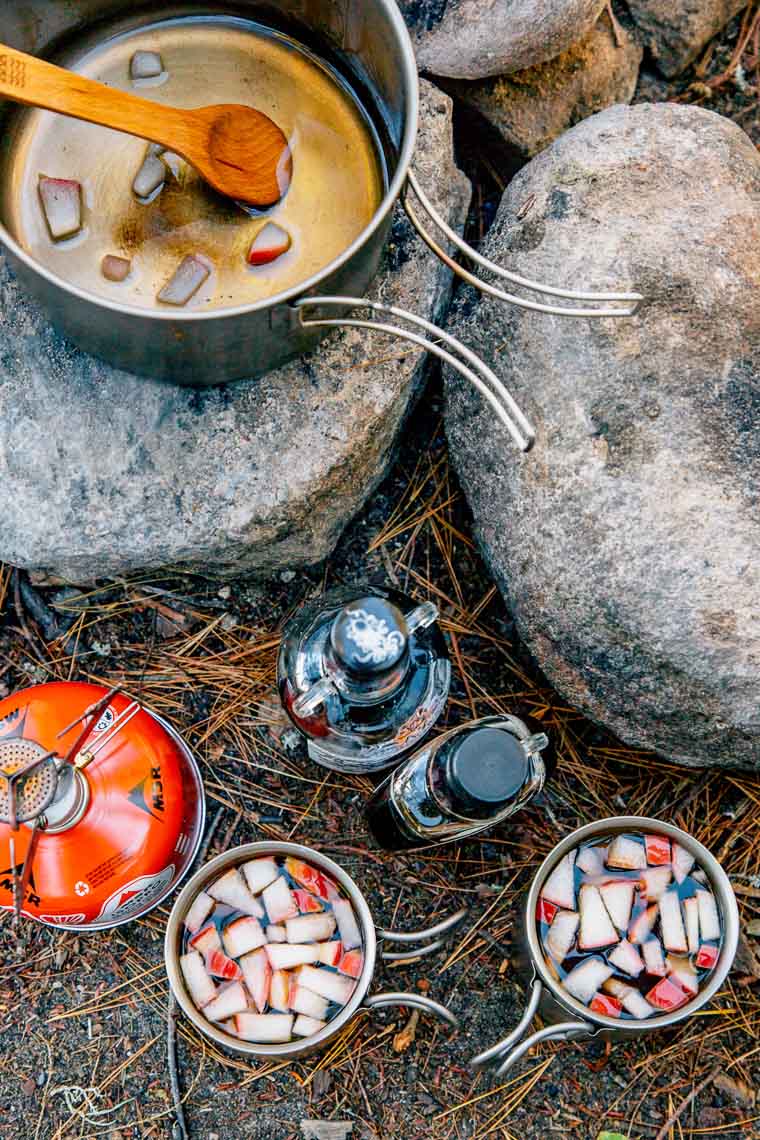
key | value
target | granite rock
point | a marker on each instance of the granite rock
(102, 472)
(627, 543)
(533, 107)
(471, 39)
(675, 31)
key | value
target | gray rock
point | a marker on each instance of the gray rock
(627, 543)
(471, 39)
(675, 31)
(102, 472)
(533, 107)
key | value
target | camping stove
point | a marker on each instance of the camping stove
(101, 806)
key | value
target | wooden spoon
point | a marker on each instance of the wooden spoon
(239, 151)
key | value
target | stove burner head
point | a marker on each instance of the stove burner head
(28, 775)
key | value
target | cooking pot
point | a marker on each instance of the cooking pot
(568, 1019)
(416, 944)
(368, 43)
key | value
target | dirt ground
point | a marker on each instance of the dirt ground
(84, 1018)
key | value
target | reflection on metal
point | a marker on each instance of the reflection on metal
(416, 1001)
(633, 299)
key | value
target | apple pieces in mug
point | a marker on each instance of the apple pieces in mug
(629, 925)
(272, 950)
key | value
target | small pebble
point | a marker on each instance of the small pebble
(224, 593)
(287, 575)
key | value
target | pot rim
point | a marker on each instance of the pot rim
(719, 883)
(172, 941)
(408, 65)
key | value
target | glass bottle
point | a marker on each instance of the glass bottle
(462, 782)
(364, 674)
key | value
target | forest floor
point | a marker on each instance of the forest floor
(83, 1018)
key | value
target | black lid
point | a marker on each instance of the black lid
(486, 767)
(369, 636)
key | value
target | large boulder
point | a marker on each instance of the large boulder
(628, 541)
(102, 472)
(675, 31)
(470, 39)
(533, 107)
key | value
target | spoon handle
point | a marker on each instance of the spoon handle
(26, 79)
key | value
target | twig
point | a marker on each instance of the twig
(179, 1127)
(661, 1135)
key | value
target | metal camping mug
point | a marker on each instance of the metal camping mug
(368, 43)
(570, 1020)
(416, 944)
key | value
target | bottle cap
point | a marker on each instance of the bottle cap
(369, 636)
(485, 769)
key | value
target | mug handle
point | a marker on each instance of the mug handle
(416, 1001)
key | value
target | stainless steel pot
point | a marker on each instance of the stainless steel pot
(370, 44)
(568, 1019)
(416, 944)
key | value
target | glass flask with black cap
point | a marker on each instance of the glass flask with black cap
(462, 782)
(364, 674)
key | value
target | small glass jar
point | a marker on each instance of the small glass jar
(462, 782)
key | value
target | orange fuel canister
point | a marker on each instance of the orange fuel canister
(117, 827)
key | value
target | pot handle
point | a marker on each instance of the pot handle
(633, 299)
(565, 1031)
(416, 940)
(416, 1001)
(470, 366)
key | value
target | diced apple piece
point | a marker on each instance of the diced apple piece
(709, 923)
(596, 928)
(258, 976)
(307, 1026)
(627, 854)
(626, 957)
(618, 899)
(187, 279)
(227, 1003)
(206, 940)
(657, 849)
(149, 177)
(218, 964)
(653, 957)
(315, 881)
(631, 1000)
(259, 873)
(232, 891)
(310, 927)
(643, 924)
(682, 862)
(276, 934)
(707, 956)
(691, 915)
(279, 991)
(307, 902)
(350, 935)
(699, 876)
(654, 882)
(243, 935)
(591, 860)
(326, 984)
(585, 979)
(667, 995)
(200, 986)
(329, 953)
(671, 921)
(115, 268)
(561, 936)
(264, 1028)
(201, 908)
(283, 956)
(683, 973)
(306, 1001)
(271, 242)
(545, 911)
(351, 964)
(146, 65)
(279, 901)
(62, 205)
(559, 888)
(604, 1003)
